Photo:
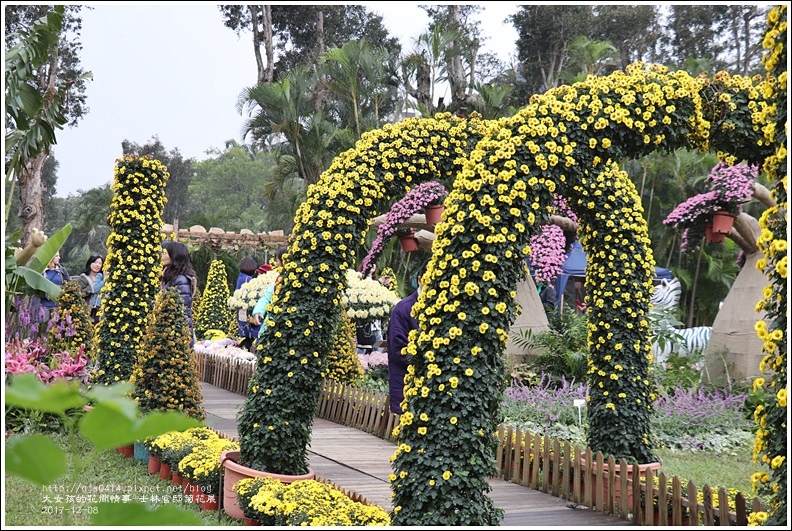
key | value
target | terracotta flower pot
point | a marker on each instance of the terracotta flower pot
(128, 451)
(250, 521)
(233, 472)
(711, 236)
(409, 243)
(434, 214)
(722, 222)
(165, 471)
(210, 502)
(176, 479)
(154, 465)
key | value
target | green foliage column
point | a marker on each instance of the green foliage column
(772, 437)
(73, 327)
(214, 312)
(166, 377)
(134, 265)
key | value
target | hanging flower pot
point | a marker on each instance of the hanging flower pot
(712, 236)
(409, 243)
(722, 222)
(434, 214)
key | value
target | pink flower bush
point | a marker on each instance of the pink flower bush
(729, 186)
(377, 358)
(691, 211)
(548, 248)
(425, 194)
(548, 253)
(734, 183)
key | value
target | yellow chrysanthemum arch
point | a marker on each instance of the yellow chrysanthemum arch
(564, 142)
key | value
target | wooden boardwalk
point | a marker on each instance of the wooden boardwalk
(360, 463)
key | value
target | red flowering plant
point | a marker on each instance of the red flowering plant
(425, 194)
(27, 350)
(730, 186)
(23, 354)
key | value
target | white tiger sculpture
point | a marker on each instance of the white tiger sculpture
(693, 340)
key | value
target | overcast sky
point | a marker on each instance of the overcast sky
(175, 71)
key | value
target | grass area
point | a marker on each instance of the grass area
(110, 473)
(713, 469)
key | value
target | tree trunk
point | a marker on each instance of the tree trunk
(456, 73)
(423, 89)
(263, 33)
(31, 192)
(266, 31)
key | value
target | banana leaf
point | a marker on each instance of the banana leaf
(27, 280)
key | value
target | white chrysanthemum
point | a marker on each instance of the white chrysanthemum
(250, 292)
(366, 299)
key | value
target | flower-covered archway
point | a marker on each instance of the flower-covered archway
(564, 142)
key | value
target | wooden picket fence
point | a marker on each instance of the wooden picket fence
(532, 460)
(225, 372)
(573, 473)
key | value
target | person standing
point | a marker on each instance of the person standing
(96, 299)
(88, 281)
(178, 272)
(260, 310)
(248, 333)
(53, 273)
(399, 326)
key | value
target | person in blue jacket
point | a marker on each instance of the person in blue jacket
(247, 270)
(260, 309)
(56, 274)
(399, 326)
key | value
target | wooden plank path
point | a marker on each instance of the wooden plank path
(360, 463)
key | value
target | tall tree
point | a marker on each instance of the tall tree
(461, 53)
(181, 172)
(589, 58)
(632, 29)
(693, 31)
(44, 89)
(743, 26)
(543, 34)
(302, 33)
(239, 188)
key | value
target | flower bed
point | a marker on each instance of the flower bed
(224, 347)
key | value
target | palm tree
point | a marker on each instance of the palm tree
(427, 66)
(279, 109)
(589, 57)
(361, 77)
(492, 101)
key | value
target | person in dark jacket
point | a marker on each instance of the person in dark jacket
(399, 326)
(178, 272)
